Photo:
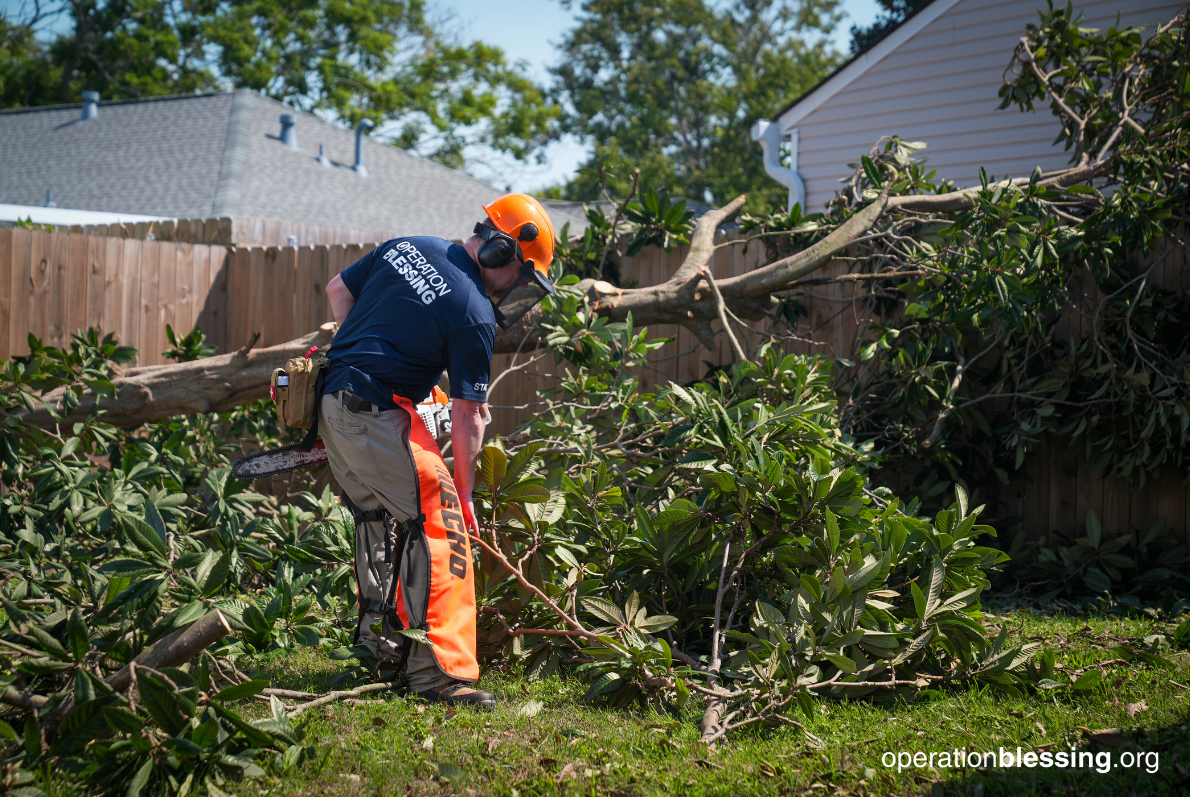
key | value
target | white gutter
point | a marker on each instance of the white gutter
(67, 217)
(769, 136)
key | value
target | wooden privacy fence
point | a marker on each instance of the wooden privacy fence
(239, 231)
(52, 284)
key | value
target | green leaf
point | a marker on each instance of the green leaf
(605, 610)
(656, 623)
(32, 736)
(832, 531)
(493, 464)
(842, 662)
(142, 535)
(919, 601)
(1094, 528)
(1089, 680)
(937, 579)
(528, 493)
(82, 725)
(140, 779)
(242, 691)
(254, 735)
(122, 720)
(520, 462)
(76, 635)
(416, 634)
(871, 171)
(216, 576)
(48, 643)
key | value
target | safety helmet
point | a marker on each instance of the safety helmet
(521, 223)
(511, 213)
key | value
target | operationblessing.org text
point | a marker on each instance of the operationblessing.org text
(1101, 761)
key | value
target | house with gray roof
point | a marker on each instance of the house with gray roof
(277, 174)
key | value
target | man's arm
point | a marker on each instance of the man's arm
(340, 298)
(466, 435)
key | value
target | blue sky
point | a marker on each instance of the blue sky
(529, 31)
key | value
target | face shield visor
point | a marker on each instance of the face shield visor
(530, 288)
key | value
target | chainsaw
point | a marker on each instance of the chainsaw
(434, 413)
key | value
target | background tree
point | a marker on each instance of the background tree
(673, 87)
(350, 60)
(895, 12)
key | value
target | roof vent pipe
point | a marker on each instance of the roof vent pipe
(769, 136)
(322, 158)
(90, 105)
(289, 130)
(360, 129)
(49, 199)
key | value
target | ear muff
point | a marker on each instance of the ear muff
(499, 248)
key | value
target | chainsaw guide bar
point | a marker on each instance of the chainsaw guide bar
(278, 460)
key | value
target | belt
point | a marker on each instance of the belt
(352, 402)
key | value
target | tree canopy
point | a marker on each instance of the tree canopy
(895, 12)
(382, 60)
(674, 86)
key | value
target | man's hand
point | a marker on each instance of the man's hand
(466, 434)
(468, 507)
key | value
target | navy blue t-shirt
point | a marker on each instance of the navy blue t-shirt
(420, 308)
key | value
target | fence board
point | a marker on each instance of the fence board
(214, 315)
(58, 289)
(21, 289)
(6, 291)
(113, 256)
(40, 271)
(96, 265)
(150, 277)
(167, 299)
(130, 294)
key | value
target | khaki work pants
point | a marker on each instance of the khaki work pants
(375, 457)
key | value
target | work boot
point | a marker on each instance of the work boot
(459, 694)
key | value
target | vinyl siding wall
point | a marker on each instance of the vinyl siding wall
(940, 86)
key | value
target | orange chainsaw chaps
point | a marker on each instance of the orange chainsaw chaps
(450, 614)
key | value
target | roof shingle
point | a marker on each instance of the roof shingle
(210, 155)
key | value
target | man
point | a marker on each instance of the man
(410, 309)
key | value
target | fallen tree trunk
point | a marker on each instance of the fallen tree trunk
(169, 651)
(686, 299)
(216, 384)
(219, 384)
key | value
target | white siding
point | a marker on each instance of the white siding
(940, 86)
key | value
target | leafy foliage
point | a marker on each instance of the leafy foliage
(672, 87)
(718, 540)
(654, 220)
(1039, 314)
(381, 60)
(192, 346)
(1130, 567)
(112, 540)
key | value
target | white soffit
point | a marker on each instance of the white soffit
(70, 217)
(854, 70)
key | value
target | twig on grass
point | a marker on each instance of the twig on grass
(331, 697)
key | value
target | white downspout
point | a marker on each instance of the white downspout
(769, 136)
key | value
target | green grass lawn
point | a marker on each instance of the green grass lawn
(543, 739)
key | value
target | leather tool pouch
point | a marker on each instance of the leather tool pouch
(297, 402)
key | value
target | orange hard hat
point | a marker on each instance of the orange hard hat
(511, 212)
